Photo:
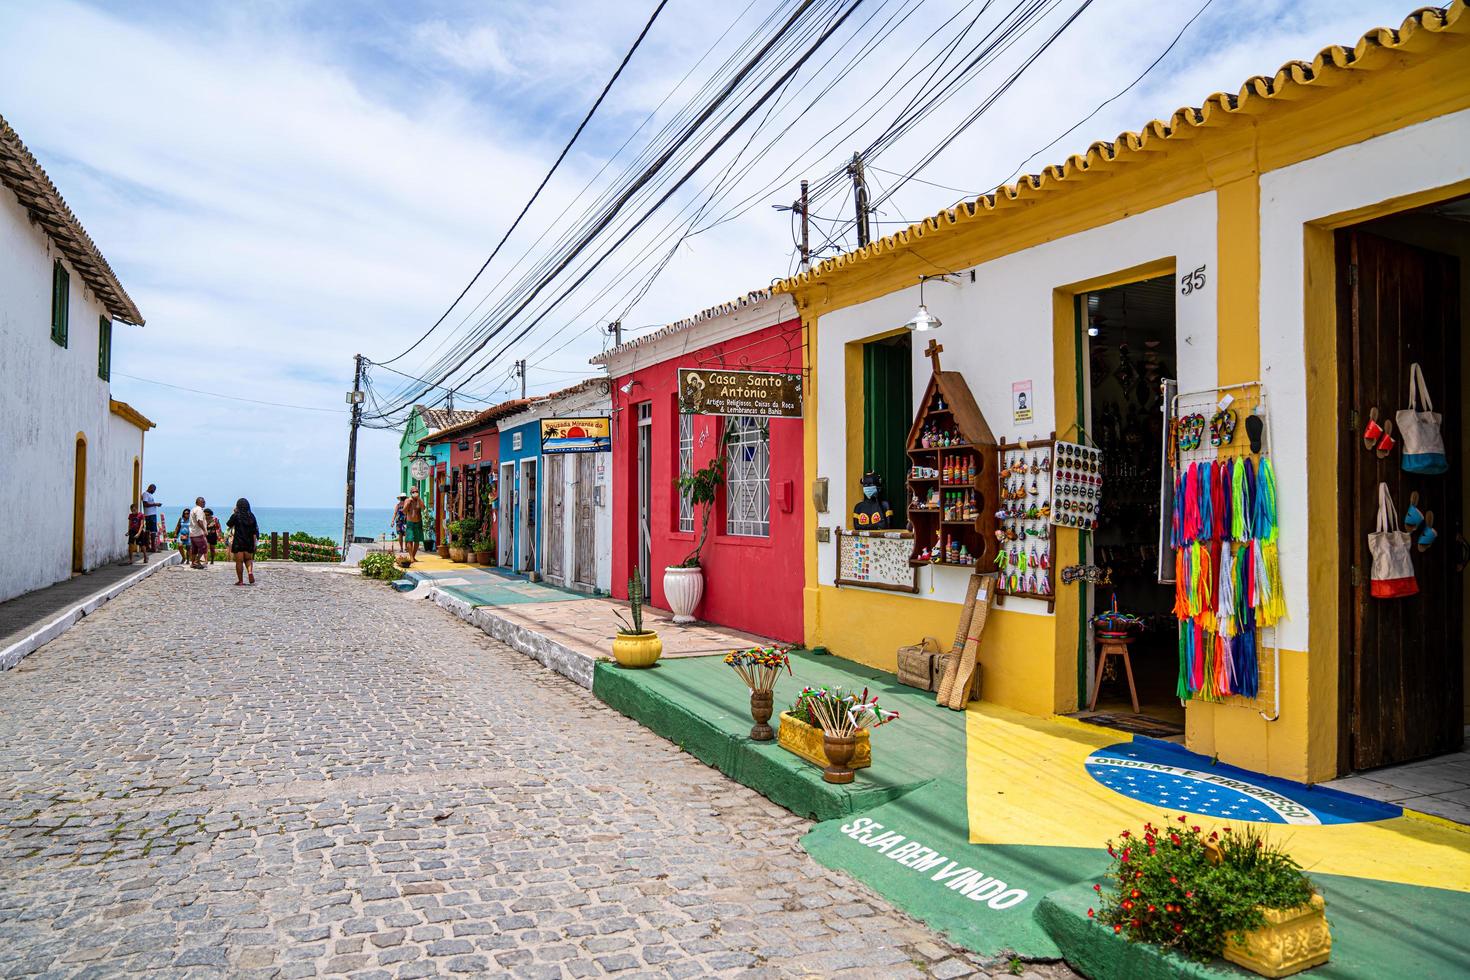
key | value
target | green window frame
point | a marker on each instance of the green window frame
(60, 303)
(888, 407)
(104, 348)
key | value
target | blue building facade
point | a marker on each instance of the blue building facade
(520, 496)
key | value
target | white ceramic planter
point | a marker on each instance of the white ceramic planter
(683, 587)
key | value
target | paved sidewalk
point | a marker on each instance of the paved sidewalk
(323, 778)
(565, 631)
(29, 620)
(1439, 786)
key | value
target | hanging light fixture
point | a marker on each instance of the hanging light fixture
(923, 320)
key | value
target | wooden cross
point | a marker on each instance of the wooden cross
(932, 352)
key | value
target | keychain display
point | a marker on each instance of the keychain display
(1076, 485)
(1023, 521)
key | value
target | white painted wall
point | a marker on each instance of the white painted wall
(48, 394)
(998, 330)
(1418, 158)
(593, 403)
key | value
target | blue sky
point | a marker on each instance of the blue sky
(282, 184)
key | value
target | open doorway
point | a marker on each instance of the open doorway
(527, 520)
(1403, 288)
(79, 509)
(1129, 352)
(507, 523)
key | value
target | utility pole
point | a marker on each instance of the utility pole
(354, 397)
(806, 251)
(859, 197)
(449, 400)
(616, 329)
(521, 370)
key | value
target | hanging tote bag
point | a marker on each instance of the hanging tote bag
(1393, 572)
(1420, 430)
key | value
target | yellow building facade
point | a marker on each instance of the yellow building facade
(1232, 236)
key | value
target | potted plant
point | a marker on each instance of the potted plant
(1226, 893)
(759, 667)
(484, 550)
(460, 533)
(684, 582)
(841, 715)
(441, 547)
(634, 646)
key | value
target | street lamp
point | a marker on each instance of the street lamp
(923, 320)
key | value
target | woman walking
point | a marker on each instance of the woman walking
(181, 534)
(243, 533)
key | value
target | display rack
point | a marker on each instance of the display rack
(1246, 399)
(876, 560)
(951, 475)
(1024, 479)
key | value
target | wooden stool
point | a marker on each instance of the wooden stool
(1112, 645)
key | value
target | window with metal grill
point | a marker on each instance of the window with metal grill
(686, 466)
(748, 477)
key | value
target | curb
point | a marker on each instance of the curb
(565, 661)
(39, 637)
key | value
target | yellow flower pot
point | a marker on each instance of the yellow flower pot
(806, 741)
(637, 649)
(1292, 940)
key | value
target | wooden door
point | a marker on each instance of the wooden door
(645, 494)
(79, 508)
(553, 564)
(585, 544)
(1397, 305)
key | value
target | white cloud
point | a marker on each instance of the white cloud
(476, 49)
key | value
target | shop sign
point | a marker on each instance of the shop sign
(419, 468)
(581, 435)
(716, 391)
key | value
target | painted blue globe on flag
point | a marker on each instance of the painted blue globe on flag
(1173, 778)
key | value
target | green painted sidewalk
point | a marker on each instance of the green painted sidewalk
(905, 826)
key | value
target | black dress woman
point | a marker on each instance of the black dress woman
(243, 534)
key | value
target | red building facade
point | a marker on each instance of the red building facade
(752, 558)
(473, 481)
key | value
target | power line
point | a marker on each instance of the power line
(1118, 95)
(600, 221)
(544, 180)
(233, 398)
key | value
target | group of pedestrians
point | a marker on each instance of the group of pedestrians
(197, 534)
(408, 522)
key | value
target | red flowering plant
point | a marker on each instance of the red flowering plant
(1182, 887)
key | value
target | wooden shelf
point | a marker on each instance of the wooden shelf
(959, 419)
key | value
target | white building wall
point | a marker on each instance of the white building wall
(592, 403)
(49, 394)
(1418, 158)
(998, 330)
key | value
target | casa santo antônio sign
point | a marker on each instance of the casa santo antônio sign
(717, 391)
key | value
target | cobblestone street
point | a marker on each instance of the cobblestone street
(318, 777)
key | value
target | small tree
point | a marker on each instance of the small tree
(700, 487)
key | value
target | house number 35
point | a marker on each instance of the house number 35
(1193, 282)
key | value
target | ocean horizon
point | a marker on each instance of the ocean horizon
(325, 522)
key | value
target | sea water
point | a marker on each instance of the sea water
(326, 522)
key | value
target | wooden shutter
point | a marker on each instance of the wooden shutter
(60, 301)
(104, 348)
